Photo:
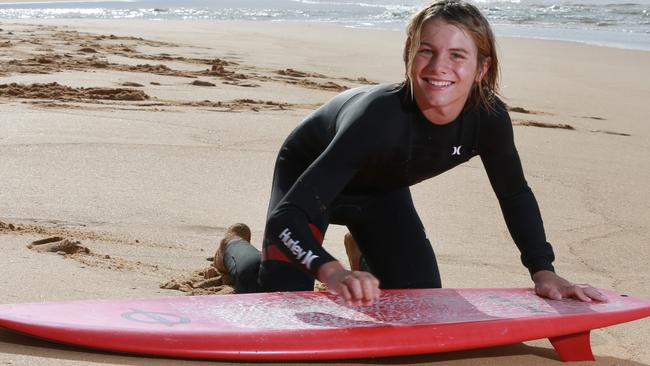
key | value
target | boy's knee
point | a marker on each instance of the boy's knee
(282, 276)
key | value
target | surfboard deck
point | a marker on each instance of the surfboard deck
(317, 325)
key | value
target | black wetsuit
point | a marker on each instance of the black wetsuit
(351, 163)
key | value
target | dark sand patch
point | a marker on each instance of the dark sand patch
(54, 105)
(242, 84)
(611, 132)
(73, 249)
(293, 74)
(54, 95)
(202, 83)
(132, 84)
(522, 122)
(60, 49)
(206, 281)
(524, 110)
(247, 104)
(57, 244)
(63, 230)
(299, 74)
(61, 92)
(51, 63)
(85, 51)
(361, 80)
(518, 110)
(105, 261)
(8, 227)
(329, 85)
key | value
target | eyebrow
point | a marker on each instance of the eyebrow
(462, 50)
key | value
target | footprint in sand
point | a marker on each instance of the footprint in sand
(8, 227)
(520, 110)
(87, 50)
(202, 83)
(132, 84)
(207, 281)
(525, 122)
(57, 244)
(611, 132)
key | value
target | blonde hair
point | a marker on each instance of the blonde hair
(469, 17)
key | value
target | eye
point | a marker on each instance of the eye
(425, 51)
(458, 56)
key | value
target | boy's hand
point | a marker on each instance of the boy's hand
(356, 287)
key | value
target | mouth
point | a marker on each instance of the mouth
(439, 83)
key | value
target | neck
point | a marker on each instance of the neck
(442, 116)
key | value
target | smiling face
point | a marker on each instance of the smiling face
(444, 69)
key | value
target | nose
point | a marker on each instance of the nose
(438, 64)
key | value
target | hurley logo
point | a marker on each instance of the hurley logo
(456, 150)
(304, 257)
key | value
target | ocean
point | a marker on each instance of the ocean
(613, 23)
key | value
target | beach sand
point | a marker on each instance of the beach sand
(137, 143)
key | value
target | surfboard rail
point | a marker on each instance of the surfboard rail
(317, 326)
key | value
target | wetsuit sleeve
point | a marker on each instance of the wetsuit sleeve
(291, 224)
(518, 204)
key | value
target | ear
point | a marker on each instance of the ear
(483, 68)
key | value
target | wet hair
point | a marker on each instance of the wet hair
(470, 19)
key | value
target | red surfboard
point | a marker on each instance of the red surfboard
(317, 325)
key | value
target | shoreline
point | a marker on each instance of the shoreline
(598, 36)
(25, 2)
(295, 23)
(592, 37)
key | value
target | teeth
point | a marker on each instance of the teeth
(439, 83)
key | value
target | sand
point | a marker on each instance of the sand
(129, 147)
